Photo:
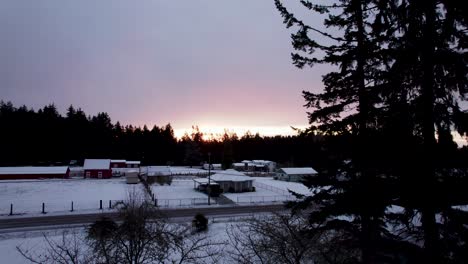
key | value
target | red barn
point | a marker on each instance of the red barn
(118, 164)
(23, 173)
(97, 168)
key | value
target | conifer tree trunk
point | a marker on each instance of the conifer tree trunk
(428, 173)
(367, 232)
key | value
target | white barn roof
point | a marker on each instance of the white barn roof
(230, 175)
(299, 171)
(33, 170)
(133, 162)
(97, 164)
(118, 161)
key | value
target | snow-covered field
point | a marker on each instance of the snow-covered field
(28, 196)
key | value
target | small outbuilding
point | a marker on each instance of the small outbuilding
(201, 184)
(158, 174)
(25, 173)
(132, 177)
(97, 168)
(295, 174)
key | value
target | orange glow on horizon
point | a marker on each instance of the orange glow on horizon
(216, 131)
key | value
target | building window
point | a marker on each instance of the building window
(99, 174)
(88, 174)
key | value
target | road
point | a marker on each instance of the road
(7, 224)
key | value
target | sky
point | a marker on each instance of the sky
(216, 64)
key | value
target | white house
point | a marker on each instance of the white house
(255, 165)
(233, 181)
(295, 174)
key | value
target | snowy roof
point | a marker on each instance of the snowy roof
(205, 181)
(263, 162)
(33, 170)
(294, 171)
(132, 162)
(118, 161)
(230, 175)
(97, 164)
(158, 170)
(246, 161)
(238, 164)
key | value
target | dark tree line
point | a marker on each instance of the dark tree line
(45, 137)
(401, 71)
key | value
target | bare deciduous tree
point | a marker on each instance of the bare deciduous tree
(143, 235)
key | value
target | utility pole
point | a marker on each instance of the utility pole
(209, 178)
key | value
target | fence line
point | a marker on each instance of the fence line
(270, 188)
(265, 199)
(183, 202)
(74, 206)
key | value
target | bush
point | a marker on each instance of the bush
(253, 188)
(102, 229)
(200, 222)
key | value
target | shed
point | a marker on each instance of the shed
(22, 173)
(97, 168)
(159, 174)
(295, 174)
(132, 177)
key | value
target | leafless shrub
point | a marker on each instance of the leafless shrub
(70, 248)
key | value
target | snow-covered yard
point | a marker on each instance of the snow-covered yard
(179, 193)
(268, 190)
(283, 185)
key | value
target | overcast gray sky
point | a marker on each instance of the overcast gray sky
(223, 64)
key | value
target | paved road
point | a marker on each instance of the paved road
(57, 220)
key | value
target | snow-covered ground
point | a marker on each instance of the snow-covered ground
(179, 193)
(283, 185)
(34, 240)
(27, 196)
